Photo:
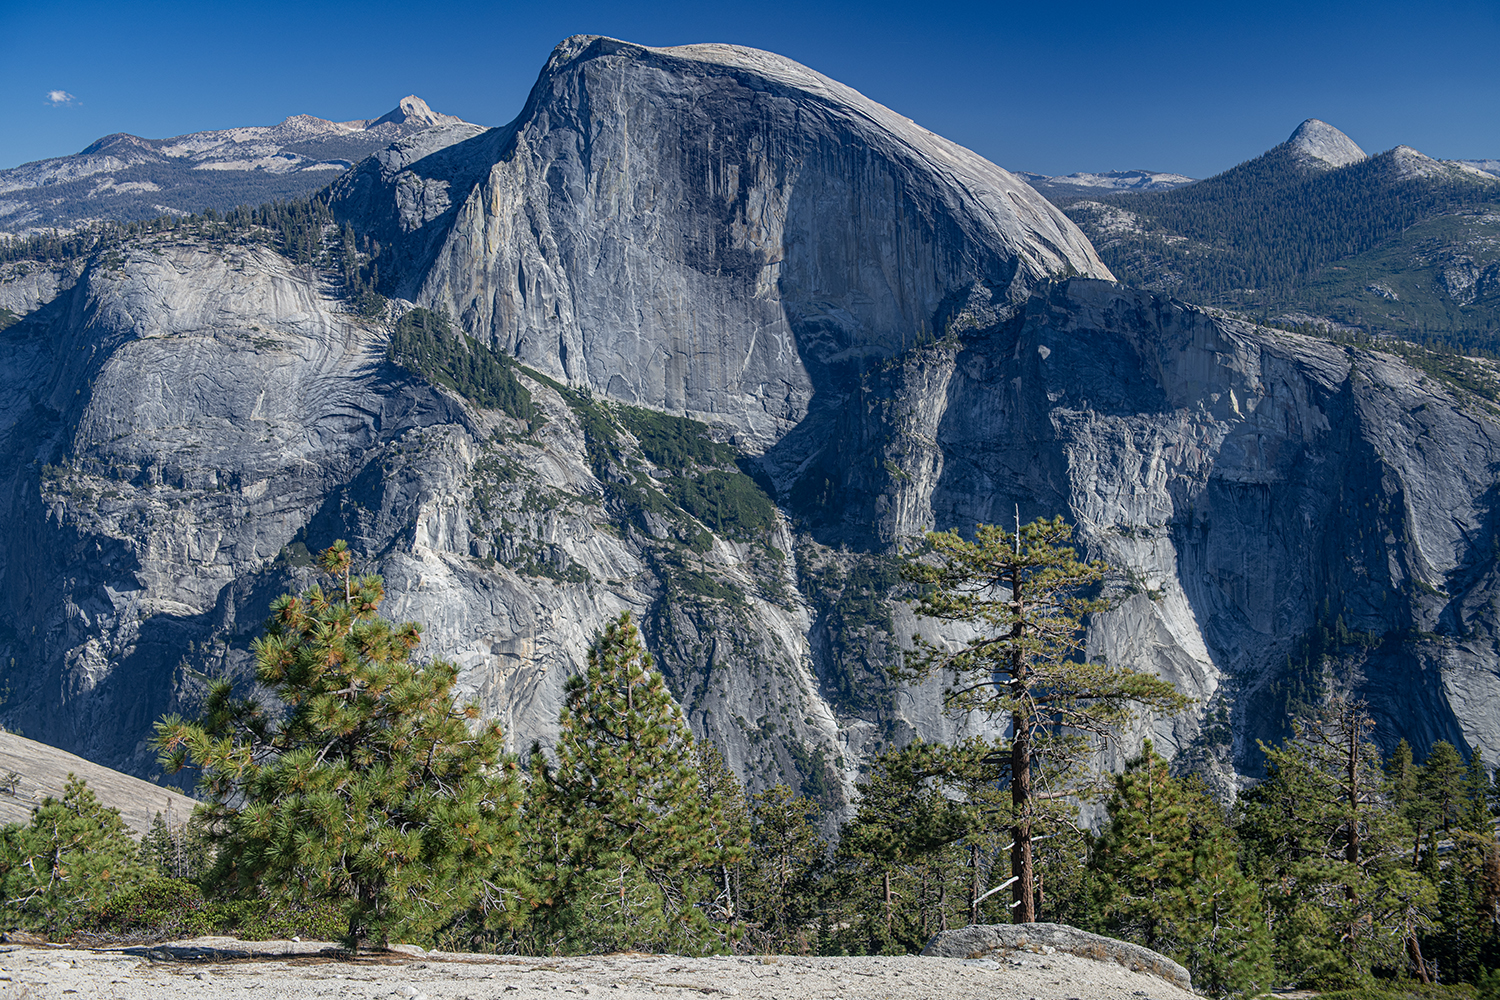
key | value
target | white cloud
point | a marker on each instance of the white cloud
(57, 98)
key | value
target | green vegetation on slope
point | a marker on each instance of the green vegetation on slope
(1338, 871)
(424, 342)
(1360, 245)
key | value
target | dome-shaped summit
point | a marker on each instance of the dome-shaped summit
(1319, 144)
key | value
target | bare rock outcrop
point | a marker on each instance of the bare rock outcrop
(1318, 144)
(656, 227)
(1002, 940)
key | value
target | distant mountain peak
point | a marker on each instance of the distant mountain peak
(1106, 182)
(1319, 143)
(116, 142)
(122, 176)
(413, 111)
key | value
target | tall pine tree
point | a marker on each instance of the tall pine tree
(638, 848)
(374, 790)
(1026, 595)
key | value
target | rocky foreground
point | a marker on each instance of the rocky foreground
(210, 968)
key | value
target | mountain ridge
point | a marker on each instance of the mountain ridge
(1314, 230)
(125, 177)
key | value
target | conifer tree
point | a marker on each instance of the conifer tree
(1476, 818)
(1402, 778)
(892, 884)
(1170, 878)
(1465, 874)
(1326, 841)
(72, 857)
(1145, 854)
(786, 857)
(1025, 595)
(728, 815)
(638, 848)
(374, 790)
(183, 851)
(1442, 785)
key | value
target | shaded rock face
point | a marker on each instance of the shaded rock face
(1249, 486)
(866, 313)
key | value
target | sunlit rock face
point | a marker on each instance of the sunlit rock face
(694, 228)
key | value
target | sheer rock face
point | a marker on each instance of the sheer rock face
(657, 227)
(862, 308)
(1247, 484)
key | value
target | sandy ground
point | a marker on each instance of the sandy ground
(220, 968)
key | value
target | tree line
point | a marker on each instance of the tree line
(1272, 223)
(302, 230)
(363, 801)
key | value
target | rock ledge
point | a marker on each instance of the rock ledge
(996, 940)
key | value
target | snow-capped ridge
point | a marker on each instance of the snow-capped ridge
(303, 149)
(1108, 181)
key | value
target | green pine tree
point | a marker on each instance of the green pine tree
(1475, 815)
(1466, 875)
(156, 847)
(638, 847)
(782, 869)
(1442, 786)
(1144, 854)
(375, 790)
(65, 864)
(893, 886)
(183, 851)
(1169, 877)
(1403, 778)
(1025, 594)
(728, 814)
(1326, 846)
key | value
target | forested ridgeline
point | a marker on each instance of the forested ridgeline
(302, 230)
(364, 803)
(1369, 244)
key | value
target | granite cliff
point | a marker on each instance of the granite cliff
(762, 332)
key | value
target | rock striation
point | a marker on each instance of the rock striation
(770, 332)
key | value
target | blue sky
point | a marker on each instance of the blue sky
(1192, 88)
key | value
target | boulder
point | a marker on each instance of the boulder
(978, 941)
